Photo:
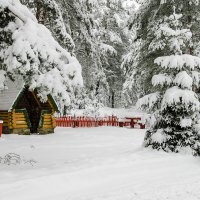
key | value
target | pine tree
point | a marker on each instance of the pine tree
(114, 34)
(98, 31)
(133, 86)
(50, 13)
(28, 51)
(173, 103)
(139, 60)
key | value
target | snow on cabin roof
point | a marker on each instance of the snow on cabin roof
(9, 95)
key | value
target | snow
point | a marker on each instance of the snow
(196, 77)
(130, 3)
(186, 122)
(18, 9)
(95, 164)
(92, 2)
(118, 20)
(184, 80)
(161, 79)
(9, 95)
(148, 100)
(114, 37)
(105, 48)
(178, 62)
(2, 77)
(159, 136)
(175, 95)
(163, 1)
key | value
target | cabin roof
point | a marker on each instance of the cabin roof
(9, 96)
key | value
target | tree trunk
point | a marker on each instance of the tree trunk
(113, 99)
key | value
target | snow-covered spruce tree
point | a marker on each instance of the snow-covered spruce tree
(139, 60)
(97, 28)
(50, 13)
(82, 29)
(114, 35)
(28, 51)
(132, 87)
(174, 104)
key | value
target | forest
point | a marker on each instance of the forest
(95, 33)
(117, 81)
(110, 53)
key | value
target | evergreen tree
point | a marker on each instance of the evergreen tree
(28, 51)
(114, 34)
(139, 60)
(83, 28)
(98, 30)
(133, 86)
(173, 103)
(50, 13)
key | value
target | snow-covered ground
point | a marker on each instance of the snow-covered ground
(95, 164)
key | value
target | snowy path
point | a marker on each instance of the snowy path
(96, 164)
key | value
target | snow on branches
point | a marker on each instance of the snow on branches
(178, 62)
(30, 52)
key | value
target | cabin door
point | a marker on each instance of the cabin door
(34, 117)
(29, 102)
(34, 112)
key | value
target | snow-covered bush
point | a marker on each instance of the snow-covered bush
(11, 159)
(174, 104)
(15, 159)
(28, 51)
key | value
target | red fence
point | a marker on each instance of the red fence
(69, 121)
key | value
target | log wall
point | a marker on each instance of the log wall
(19, 120)
(6, 117)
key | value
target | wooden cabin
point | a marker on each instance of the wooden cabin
(22, 111)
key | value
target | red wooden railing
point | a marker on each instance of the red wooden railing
(75, 122)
